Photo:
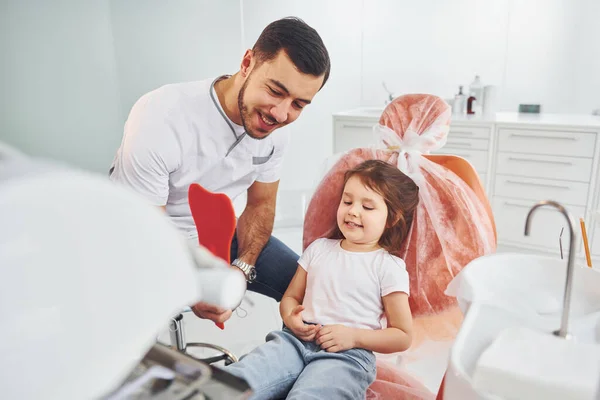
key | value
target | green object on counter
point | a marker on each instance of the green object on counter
(530, 108)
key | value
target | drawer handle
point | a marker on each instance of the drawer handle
(540, 161)
(538, 184)
(520, 135)
(507, 203)
(466, 144)
(345, 126)
(462, 133)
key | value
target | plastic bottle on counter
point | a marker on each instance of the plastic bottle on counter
(472, 104)
(476, 89)
(490, 98)
(458, 107)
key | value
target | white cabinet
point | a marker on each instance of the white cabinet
(544, 140)
(594, 227)
(565, 192)
(478, 158)
(537, 162)
(547, 166)
(521, 159)
(349, 133)
(545, 230)
(595, 243)
(467, 143)
(472, 143)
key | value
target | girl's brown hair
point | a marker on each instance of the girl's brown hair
(401, 196)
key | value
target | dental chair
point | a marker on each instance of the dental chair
(453, 224)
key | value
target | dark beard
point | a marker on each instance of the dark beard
(244, 113)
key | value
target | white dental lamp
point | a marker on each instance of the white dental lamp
(89, 275)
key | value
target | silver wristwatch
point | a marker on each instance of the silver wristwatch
(248, 270)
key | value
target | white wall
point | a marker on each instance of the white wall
(526, 47)
(71, 70)
(587, 56)
(541, 56)
(431, 46)
(159, 42)
(59, 96)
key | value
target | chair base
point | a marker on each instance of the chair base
(226, 355)
(179, 343)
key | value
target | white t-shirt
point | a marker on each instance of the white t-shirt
(345, 287)
(177, 135)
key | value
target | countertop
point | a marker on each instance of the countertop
(586, 120)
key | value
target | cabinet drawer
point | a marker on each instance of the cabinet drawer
(469, 132)
(351, 134)
(546, 142)
(541, 189)
(546, 224)
(549, 167)
(483, 179)
(478, 158)
(595, 240)
(470, 144)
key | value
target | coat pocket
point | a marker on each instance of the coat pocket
(264, 159)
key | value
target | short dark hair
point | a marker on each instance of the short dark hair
(301, 43)
(401, 196)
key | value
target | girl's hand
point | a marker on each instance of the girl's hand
(295, 323)
(335, 338)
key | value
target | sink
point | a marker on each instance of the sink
(506, 290)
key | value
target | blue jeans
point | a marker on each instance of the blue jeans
(275, 268)
(287, 366)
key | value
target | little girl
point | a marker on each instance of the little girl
(343, 286)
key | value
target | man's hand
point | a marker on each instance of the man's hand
(208, 311)
(335, 338)
(295, 323)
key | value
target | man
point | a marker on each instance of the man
(219, 133)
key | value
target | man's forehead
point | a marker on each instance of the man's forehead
(282, 73)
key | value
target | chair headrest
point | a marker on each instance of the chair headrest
(418, 114)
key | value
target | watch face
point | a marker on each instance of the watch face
(252, 275)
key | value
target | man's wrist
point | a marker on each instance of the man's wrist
(248, 270)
